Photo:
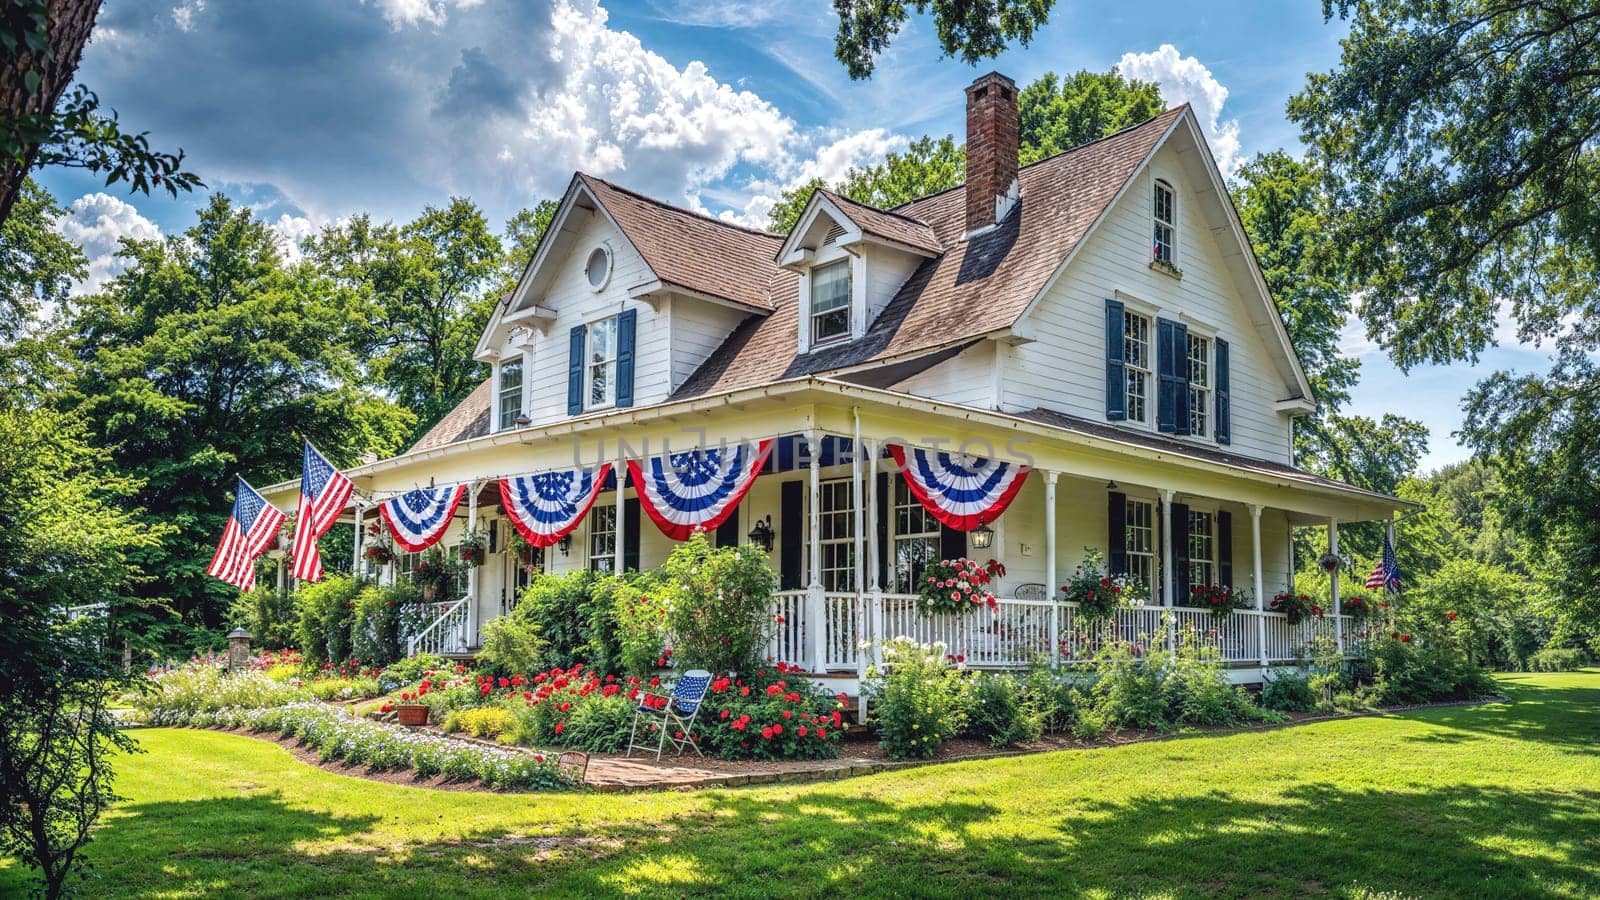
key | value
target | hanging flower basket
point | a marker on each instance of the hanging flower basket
(474, 548)
(1330, 563)
(958, 585)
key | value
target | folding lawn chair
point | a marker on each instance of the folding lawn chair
(675, 715)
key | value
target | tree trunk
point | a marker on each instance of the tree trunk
(67, 27)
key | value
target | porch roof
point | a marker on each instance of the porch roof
(782, 402)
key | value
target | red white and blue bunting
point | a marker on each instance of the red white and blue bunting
(696, 490)
(960, 491)
(546, 507)
(419, 518)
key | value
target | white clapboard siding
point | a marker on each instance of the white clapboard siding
(966, 378)
(698, 328)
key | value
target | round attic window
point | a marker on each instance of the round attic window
(598, 268)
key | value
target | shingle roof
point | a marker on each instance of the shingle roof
(896, 227)
(976, 287)
(689, 250)
(469, 419)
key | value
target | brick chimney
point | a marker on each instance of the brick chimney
(991, 147)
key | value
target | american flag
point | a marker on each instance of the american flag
(1386, 574)
(251, 527)
(323, 494)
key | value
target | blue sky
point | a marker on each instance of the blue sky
(312, 110)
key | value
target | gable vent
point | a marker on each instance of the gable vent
(833, 235)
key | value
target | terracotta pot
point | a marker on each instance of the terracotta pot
(412, 714)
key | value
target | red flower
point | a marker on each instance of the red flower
(1405, 638)
(821, 732)
(767, 732)
(744, 692)
(560, 727)
(787, 714)
(777, 729)
(1451, 616)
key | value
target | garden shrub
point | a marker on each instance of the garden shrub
(1557, 659)
(717, 604)
(376, 633)
(1125, 691)
(1049, 696)
(412, 669)
(325, 611)
(917, 700)
(480, 722)
(1493, 614)
(571, 707)
(1425, 669)
(557, 607)
(511, 644)
(172, 697)
(1286, 690)
(639, 613)
(267, 614)
(1198, 691)
(775, 713)
(339, 687)
(998, 710)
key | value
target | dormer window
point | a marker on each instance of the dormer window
(1165, 213)
(510, 393)
(830, 302)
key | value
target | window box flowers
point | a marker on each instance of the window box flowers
(1219, 600)
(958, 585)
(1296, 608)
(1356, 606)
(1099, 594)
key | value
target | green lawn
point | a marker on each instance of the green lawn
(1500, 800)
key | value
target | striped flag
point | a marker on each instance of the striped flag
(1386, 574)
(323, 494)
(252, 526)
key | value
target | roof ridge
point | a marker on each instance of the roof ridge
(655, 201)
(878, 209)
(1051, 158)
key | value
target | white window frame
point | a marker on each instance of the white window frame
(1164, 243)
(1202, 549)
(921, 547)
(836, 524)
(507, 421)
(1144, 563)
(1139, 373)
(813, 317)
(602, 537)
(1200, 383)
(606, 362)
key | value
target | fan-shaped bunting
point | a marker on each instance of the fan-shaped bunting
(697, 489)
(960, 491)
(418, 518)
(546, 507)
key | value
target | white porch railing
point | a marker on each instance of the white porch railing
(447, 633)
(1017, 634)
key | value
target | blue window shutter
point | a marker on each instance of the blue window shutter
(1116, 364)
(1224, 402)
(1166, 378)
(575, 372)
(1116, 533)
(625, 329)
(1225, 548)
(1180, 370)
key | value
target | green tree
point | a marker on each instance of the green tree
(42, 124)
(208, 358)
(971, 29)
(68, 537)
(1054, 114)
(521, 240)
(37, 268)
(427, 290)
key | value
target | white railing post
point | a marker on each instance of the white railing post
(1051, 576)
(1261, 588)
(1333, 586)
(816, 617)
(472, 571)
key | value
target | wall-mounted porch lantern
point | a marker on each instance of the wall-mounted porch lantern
(566, 544)
(762, 534)
(982, 536)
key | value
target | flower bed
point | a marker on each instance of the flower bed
(176, 696)
(777, 714)
(381, 747)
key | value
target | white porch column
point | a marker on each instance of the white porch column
(1260, 584)
(618, 532)
(283, 574)
(875, 551)
(858, 550)
(815, 612)
(1051, 577)
(355, 542)
(472, 571)
(1333, 584)
(1169, 565)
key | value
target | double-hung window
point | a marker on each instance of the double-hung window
(830, 302)
(1202, 548)
(510, 392)
(602, 538)
(1199, 385)
(1136, 359)
(602, 363)
(1165, 212)
(1139, 540)
(836, 517)
(916, 539)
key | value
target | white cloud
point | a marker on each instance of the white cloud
(416, 12)
(291, 230)
(1184, 79)
(1353, 340)
(97, 222)
(183, 14)
(831, 162)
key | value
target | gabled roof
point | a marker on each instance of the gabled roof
(691, 251)
(891, 226)
(469, 419)
(975, 287)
